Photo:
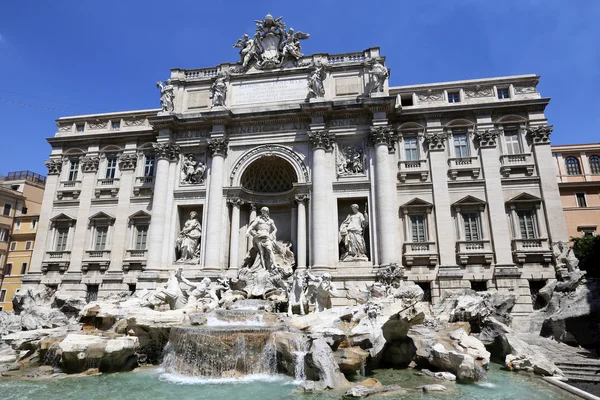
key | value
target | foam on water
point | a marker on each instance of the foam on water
(486, 384)
(196, 380)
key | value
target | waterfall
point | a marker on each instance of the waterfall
(216, 352)
(299, 370)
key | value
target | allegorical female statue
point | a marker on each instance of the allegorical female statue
(351, 236)
(188, 241)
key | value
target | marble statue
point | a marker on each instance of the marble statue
(350, 160)
(188, 240)
(315, 82)
(166, 97)
(296, 292)
(192, 171)
(291, 44)
(378, 75)
(264, 233)
(565, 258)
(219, 89)
(247, 48)
(171, 294)
(351, 236)
(199, 295)
(320, 289)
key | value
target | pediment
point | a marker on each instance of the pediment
(139, 215)
(101, 215)
(417, 203)
(469, 201)
(525, 198)
(62, 217)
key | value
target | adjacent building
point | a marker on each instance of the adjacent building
(578, 175)
(456, 180)
(21, 196)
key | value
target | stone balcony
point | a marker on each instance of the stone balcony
(93, 258)
(143, 186)
(134, 258)
(537, 249)
(415, 168)
(58, 259)
(516, 162)
(463, 166)
(68, 189)
(420, 253)
(107, 187)
(474, 251)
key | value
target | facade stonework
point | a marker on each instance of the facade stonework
(458, 194)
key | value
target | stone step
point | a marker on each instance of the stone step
(582, 377)
(581, 368)
(578, 363)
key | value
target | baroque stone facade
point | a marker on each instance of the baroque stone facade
(451, 182)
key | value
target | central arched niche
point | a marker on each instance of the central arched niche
(269, 174)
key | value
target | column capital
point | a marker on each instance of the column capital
(54, 166)
(235, 202)
(301, 198)
(436, 140)
(218, 146)
(127, 162)
(89, 163)
(321, 140)
(166, 150)
(384, 135)
(487, 137)
(253, 206)
(540, 134)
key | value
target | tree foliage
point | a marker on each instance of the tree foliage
(587, 250)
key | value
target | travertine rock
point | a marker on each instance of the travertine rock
(520, 356)
(81, 351)
(322, 359)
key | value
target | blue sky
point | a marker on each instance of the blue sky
(77, 57)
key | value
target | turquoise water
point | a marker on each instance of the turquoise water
(155, 384)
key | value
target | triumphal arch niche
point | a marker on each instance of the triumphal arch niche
(280, 140)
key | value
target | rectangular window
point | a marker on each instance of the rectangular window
(406, 100)
(28, 245)
(7, 209)
(2, 295)
(18, 225)
(23, 268)
(453, 97)
(418, 228)
(527, 224)
(3, 235)
(149, 165)
(503, 93)
(513, 145)
(581, 202)
(141, 235)
(62, 235)
(471, 223)
(115, 125)
(111, 168)
(8, 269)
(461, 145)
(80, 127)
(101, 235)
(13, 246)
(73, 170)
(411, 149)
(33, 224)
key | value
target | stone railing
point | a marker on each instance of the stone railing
(134, 253)
(144, 180)
(413, 167)
(476, 246)
(345, 58)
(419, 247)
(516, 159)
(97, 254)
(533, 245)
(108, 182)
(457, 164)
(58, 255)
(70, 185)
(201, 73)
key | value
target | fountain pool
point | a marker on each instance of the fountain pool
(155, 383)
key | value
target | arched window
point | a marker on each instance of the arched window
(573, 167)
(595, 164)
(269, 174)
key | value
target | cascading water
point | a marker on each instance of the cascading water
(216, 352)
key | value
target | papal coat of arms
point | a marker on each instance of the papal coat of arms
(272, 45)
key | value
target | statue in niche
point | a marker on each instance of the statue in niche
(319, 290)
(219, 89)
(188, 240)
(350, 160)
(378, 75)
(351, 236)
(192, 171)
(166, 96)
(247, 48)
(269, 262)
(315, 81)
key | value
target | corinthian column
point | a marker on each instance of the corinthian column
(383, 139)
(213, 225)
(321, 141)
(301, 231)
(234, 239)
(165, 153)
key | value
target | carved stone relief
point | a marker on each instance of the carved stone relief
(525, 89)
(54, 166)
(127, 161)
(89, 163)
(540, 134)
(192, 171)
(437, 140)
(487, 137)
(479, 91)
(430, 95)
(350, 160)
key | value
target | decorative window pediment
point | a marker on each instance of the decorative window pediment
(417, 205)
(139, 216)
(102, 217)
(525, 198)
(469, 202)
(63, 218)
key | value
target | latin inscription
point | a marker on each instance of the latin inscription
(280, 127)
(269, 92)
